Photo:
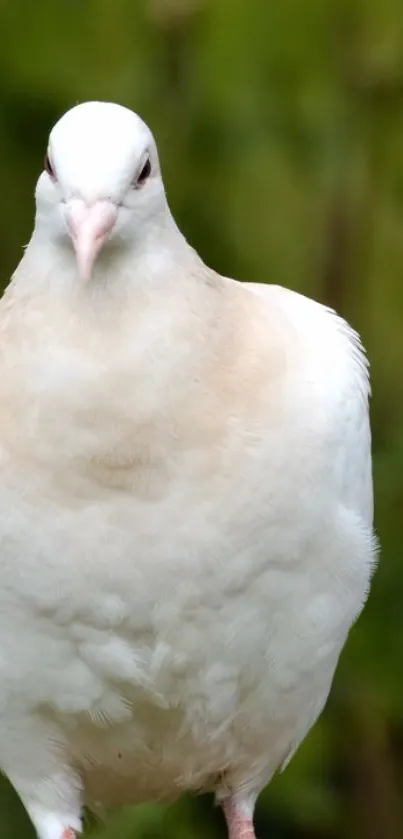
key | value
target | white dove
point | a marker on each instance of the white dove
(186, 500)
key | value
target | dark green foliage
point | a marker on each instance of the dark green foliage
(280, 127)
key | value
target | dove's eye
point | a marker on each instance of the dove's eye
(48, 167)
(144, 174)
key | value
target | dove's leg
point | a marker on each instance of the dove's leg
(33, 755)
(239, 817)
(52, 824)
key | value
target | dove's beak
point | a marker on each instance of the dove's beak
(88, 226)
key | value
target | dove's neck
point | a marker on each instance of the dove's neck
(155, 287)
(131, 267)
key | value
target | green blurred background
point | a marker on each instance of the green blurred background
(280, 128)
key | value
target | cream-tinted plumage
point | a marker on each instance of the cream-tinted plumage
(186, 501)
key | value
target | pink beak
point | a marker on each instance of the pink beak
(88, 227)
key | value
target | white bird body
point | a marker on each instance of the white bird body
(185, 525)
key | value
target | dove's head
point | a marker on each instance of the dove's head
(101, 184)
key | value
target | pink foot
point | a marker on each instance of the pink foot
(239, 822)
(69, 833)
